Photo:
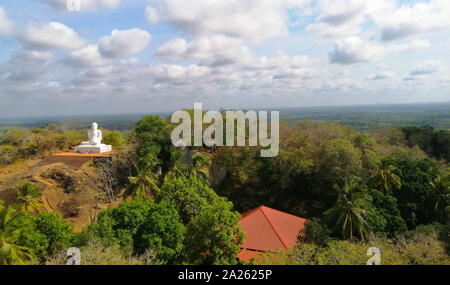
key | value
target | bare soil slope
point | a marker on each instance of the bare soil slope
(72, 191)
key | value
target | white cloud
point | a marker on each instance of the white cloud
(410, 78)
(354, 50)
(87, 56)
(412, 46)
(6, 25)
(426, 68)
(124, 43)
(28, 66)
(252, 20)
(151, 15)
(174, 73)
(51, 35)
(214, 51)
(85, 4)
(173, 50)
(385, 74)
(27, 56)
(414, 19)
(338, 19)
(343, 18)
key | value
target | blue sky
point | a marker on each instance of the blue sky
(118, 56)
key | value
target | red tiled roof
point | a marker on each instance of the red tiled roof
(246, 255)
(268, 229)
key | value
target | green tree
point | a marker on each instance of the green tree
(188, 194)
(28, 198)
(145, 183)
(46, 234)
(152, 135)
(10, 252)
(435, 143)
(388, 178)
(339, 161)
(440, 196)
(386, 206)
(137, 226)
(114, 138)
(57, 232)
(163, 232)
(412, 197)
(200, 167)
(369, 158)
(213, 237)
(315, 232)
(348, 218)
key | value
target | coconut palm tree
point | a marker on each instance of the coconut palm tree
(27, 200)
(200, 167)
(347, 217)
(440, 194)
(10, 253)
(145, 183)
(388, 179)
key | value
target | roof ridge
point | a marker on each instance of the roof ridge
(284, 213)
(273, 227)
(249, 212)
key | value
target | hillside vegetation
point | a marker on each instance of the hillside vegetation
(152, 203)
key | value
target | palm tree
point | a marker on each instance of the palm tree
(10, 253)
(200, 167)
(27, 200)
(388, 179)
(145, 183)
(347, 217)
(440, 193)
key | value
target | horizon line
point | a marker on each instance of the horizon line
(262, 108)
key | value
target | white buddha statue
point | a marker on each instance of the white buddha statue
(94, 145)
(95, 135)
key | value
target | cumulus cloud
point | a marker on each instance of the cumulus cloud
(412, 46)
(31, 56)
(165, 73)
(338, 20)
(343, 18)
(283, 61)
(28, 66)
(51, 35)
(354, 50)
(124, 43)
(415, 19)
(85, 57)
(252, 20)
(6, 25)
(426, 68)
(85, 4)
(151, 14)
(214, 51)
(386, 74)
(410, 78)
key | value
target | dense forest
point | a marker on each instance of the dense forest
(360, 118)
(387, 187)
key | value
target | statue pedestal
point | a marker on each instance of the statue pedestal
(87, 148)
